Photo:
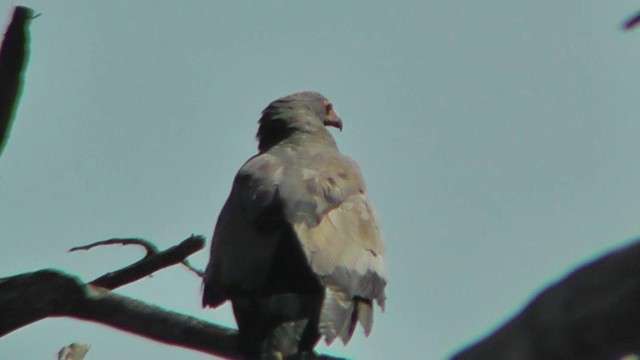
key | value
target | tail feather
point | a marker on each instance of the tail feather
(350, 325)
(335, 315)
(340, 314)
(365, 315)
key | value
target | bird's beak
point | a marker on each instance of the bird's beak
(335, 122)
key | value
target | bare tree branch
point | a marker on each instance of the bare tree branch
(30, 297)
(150, 248)
(192, 268)
(593, 313)
(14, 53)
(151, 263)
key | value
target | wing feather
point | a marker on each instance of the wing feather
(342, 242)
(245, 237)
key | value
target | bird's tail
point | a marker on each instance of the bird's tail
(340, 314)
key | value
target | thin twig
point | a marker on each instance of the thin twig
(152, 262)
(149, 247)
(192, 268)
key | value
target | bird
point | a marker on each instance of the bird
(297, 247)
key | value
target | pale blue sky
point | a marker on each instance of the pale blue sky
(499, 140)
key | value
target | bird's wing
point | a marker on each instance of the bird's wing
(338, 230)
(247, 232)
(322, 198)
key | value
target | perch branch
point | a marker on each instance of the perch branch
(30, 297)
(592, 313)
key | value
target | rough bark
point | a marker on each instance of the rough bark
(30, 297)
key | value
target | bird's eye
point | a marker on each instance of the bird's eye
(328, 109)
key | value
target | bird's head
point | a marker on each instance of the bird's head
(307, 111)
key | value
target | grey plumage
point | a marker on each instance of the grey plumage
(297, 248)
